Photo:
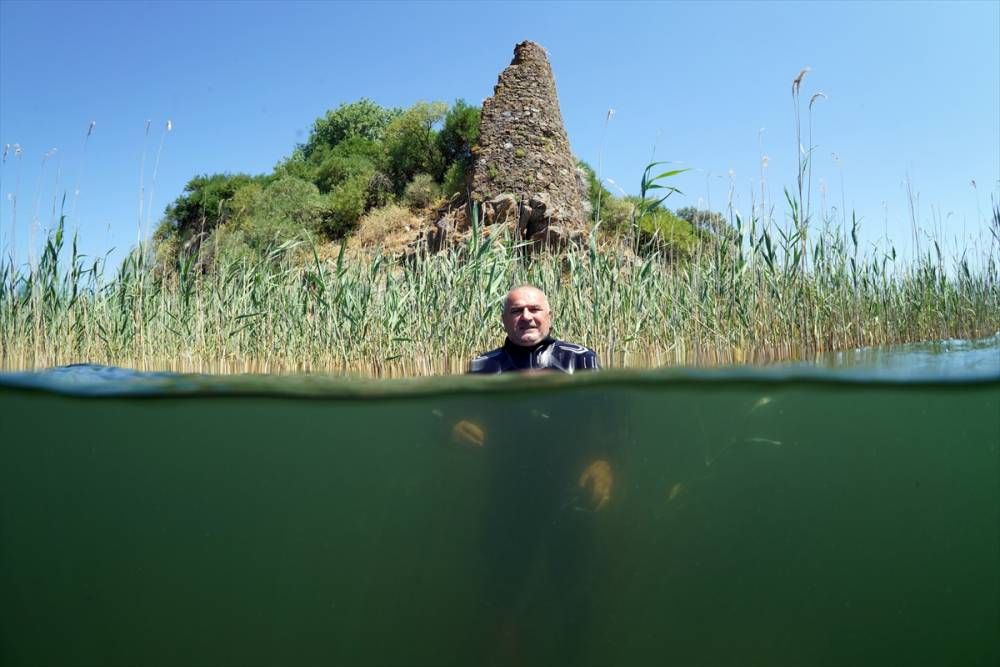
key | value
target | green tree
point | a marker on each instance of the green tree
(284, 208)
(617, 214)
(295, 165)
(459, 134)
(379, 190)
(659, 228)
(421, 191)
(711, 222)
(351, 157)
(364, 119)
(346, 203)
(596, 193)
(411, 144)
(455, 179)
(206, 203)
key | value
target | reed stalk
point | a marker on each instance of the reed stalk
(749, 301)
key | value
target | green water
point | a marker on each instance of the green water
(822, 519)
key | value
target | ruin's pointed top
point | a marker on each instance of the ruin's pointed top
(528, 50)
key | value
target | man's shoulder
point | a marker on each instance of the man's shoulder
(488, 362)
(583, 357)
(572, 348)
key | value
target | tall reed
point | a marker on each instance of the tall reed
(752, 300)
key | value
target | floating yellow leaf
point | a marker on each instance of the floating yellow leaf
(676, 490)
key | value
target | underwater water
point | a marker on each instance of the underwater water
(843, 513)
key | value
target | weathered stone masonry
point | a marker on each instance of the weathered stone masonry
(524, 165)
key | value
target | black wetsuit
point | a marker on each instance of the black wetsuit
(536, 449)
(547, 354)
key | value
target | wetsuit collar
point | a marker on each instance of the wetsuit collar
(521, 351)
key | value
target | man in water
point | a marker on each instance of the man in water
(527, 318)
(549, 461)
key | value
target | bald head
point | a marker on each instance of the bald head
(527, 316)
(525, 291)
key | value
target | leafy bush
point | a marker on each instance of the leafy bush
(379, 190)
(597, 194)
(411, 144)
(353, 157)
(226, 246)
(286, 207)
(363, 119)
(422, 191)
(167, 246)
(357, 157)
(345, 205)
(455, 181)
(459, 134)
(295, 166)
(662, 229)
(710, 222)
(616, 213)
(205, 203)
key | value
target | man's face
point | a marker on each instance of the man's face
(527, 317)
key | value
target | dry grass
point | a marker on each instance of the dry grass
(386, 231)
(381, 226)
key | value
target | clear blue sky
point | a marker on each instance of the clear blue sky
(913, 93)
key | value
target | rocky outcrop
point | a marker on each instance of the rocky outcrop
(524, 171)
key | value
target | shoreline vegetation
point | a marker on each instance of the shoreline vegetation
(750, 301)
(318, 268)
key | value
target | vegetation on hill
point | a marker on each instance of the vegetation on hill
(357, 157)
(360, 158)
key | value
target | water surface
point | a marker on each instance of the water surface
(843, 513)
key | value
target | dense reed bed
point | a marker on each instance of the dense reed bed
(766, 296)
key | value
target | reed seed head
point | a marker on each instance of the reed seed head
(797, 81)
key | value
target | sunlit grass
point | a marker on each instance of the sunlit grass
(754, 300)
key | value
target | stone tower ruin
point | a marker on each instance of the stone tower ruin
(524, 170)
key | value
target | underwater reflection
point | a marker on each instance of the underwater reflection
(551, 467)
